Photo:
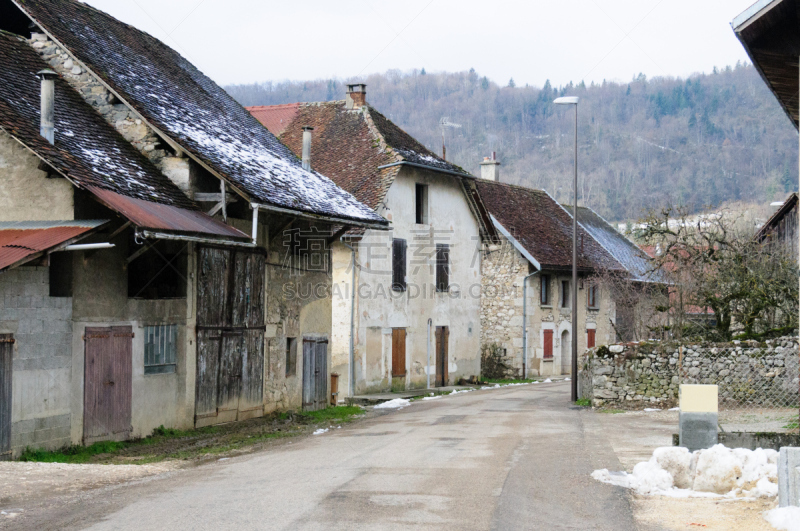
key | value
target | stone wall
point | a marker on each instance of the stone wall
(40, 387)
(749, 373)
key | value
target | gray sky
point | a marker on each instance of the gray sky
(240, 41)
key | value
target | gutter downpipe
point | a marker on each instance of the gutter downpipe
(525, 323)
(352, 371)
(428, 368)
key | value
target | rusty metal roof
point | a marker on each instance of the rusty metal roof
(22, 242)
(148, 215)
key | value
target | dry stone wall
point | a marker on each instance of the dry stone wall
(748, 373)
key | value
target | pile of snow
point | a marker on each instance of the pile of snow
(651, 409)
(456, 391)
(396, 403)
(717, 471)
(431, 397)
(320, 431)
(548, 381)
(785, 518)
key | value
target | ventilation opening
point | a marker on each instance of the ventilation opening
(13, 20)
(61, 274)
(422, 204)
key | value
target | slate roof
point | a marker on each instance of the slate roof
(21, 242)
(627, 253)
(188, 107)
(543, 227)
(87, 150)
(351, 145)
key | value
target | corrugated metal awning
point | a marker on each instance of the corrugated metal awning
(21, 242)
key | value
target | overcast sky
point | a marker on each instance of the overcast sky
(240, 41)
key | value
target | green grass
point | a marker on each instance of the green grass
(72, 454)
(611, 411)
(503, 381)
(332, 414)
(585, 402)
(792, 425)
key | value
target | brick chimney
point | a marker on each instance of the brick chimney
(490, 168)
(356, 96)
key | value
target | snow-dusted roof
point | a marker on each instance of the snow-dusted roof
(193, 111)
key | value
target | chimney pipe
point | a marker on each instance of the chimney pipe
(490, 168)
(47, 124)
(356, 96)
(307, 147)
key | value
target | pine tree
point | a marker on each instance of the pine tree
(422, 72)
(511, 83)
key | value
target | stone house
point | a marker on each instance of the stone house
(414, 320)
(527, 277)
(188, 299)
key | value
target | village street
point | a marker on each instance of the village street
(512, 458)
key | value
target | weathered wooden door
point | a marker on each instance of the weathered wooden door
(315, 374)
(107, 382)
(398, 352)
(230, 335)
(442, 357)
(590, 337)
(548, 344)
(6, 360)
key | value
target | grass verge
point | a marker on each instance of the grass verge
(584, 402)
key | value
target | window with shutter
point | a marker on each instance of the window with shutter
(442, 267)
(398, 265)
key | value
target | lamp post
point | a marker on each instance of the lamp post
(574, 380)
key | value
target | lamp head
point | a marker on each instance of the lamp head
(567, 100)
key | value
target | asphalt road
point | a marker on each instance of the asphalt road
(512, 458)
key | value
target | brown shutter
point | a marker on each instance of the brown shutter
(548, 344)
(398, 352)
(6, 361)
(442, 267)
(398, 265)
(590, 338)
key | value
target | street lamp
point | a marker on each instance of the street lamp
(573, 100)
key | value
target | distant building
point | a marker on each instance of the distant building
(781, 229)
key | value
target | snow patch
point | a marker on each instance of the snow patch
(548, 381)
(320, 431)
(651, 409)
(431, 397)
(784, 518)
(396, 403)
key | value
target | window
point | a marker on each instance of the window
(291, 356)
(61, 274)
(565, 294)
(442, 267)
(591, 295)
(159, 272)
(422, 203)
(160, 349)
(545, 290)
(398, 265)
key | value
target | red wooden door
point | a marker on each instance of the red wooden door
(398, 352)
(107, 383)
(590, 338)
(548, 344)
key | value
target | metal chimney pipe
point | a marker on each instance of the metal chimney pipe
(47, 127)
(307, 148)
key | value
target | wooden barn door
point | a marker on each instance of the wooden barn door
(315, 374)
(398, 352)
(108, 373)
(230, 335)
(6, 359)
(548, 344)
(442, 356)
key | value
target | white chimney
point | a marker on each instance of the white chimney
(307, 147)
(490, 168)
(47, 124)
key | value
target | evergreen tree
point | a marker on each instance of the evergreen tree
(511, 83)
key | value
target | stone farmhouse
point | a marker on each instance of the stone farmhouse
(414, 319)
(527, 277)
(153, 236)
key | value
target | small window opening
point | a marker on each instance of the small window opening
(565, 294)
(399, 264)
(545, 290)
(160, 349)
(592, 296)
(422, 204)
(61, 274)
(291, 356)
(442, 267)
(160, 272)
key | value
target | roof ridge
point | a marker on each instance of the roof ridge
(280, 105)
(518, 186)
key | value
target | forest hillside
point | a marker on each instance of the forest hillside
(697, 142)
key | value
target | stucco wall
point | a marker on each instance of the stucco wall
(26, 193)
(504, 270)
(379, 309)
(42, 361)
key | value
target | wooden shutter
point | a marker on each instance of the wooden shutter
(398, 352)
(548, 344)
(6, 360)
(321, 375)
(398, 265)
(442, 267)
(590, 335)
(308, 374)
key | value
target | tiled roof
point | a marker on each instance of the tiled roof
(350, 145)
(87, 149)
(21, 242)
(543, 227)
(192, 110)
(276, 118)
(625, 251)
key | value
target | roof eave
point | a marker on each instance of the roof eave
(430, 168)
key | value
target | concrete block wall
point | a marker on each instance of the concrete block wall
(42, 363)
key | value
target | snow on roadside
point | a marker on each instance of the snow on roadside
(432, 397)
(396, 403)
(320, 431)
(716, 472)
(548, 381)
(784, 518)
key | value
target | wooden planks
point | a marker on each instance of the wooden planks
(315, 374)
(108, 386)
(548, 344)
(442, 355)
(398, 352)
(6, 361)
(590, 337)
